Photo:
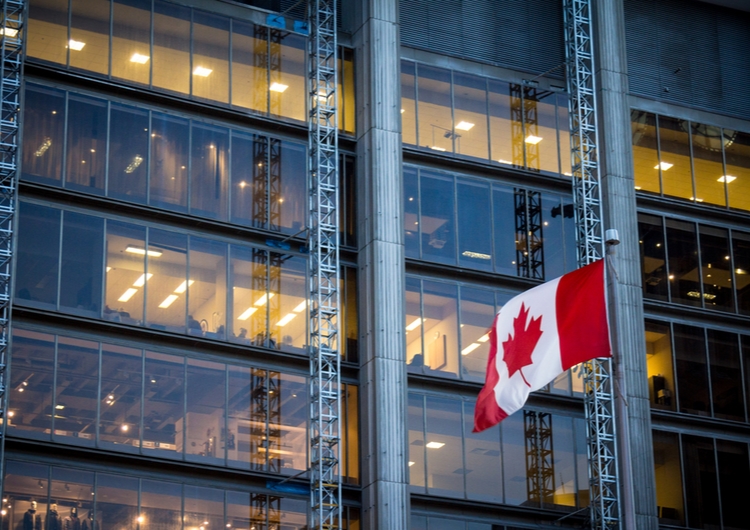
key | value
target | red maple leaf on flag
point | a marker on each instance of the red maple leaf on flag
(517, 349)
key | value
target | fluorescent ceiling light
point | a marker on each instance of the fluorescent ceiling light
(663, 166)
(478, 255)
(300, 307)
(10, 32)
(434, 445)
(278, 87)
(533, 140)
(138, 58)
(284, 321)
(470, 348)
(76, 45)
(142, 252)
(183, 286)
(696, 199)
(505, 162)
(414, 325)
(247, 313)
(637, 188)
(60, 407)
(202, 71)
(141, 281)
(727, 178)
(263, 299)
(740, 271)
(168, 301)
(484, 338)
(436, 148)
(403, 110)
(464, 126)
(411, 463)
(127, 295)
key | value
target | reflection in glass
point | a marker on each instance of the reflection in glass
(160, 505)
(250, 180)
(120, 398)
(556, 239)
(683, 262)
(416, 443)
(38, 255)
(435, 115)
(287, 183)
(540, 130)
(171, 60)
(71, 490)
(653, 260)
(411, 212)
(89, 35)
(674, 164)
(32, 378)
(206, 430)
(207, 294)
(707, 163)
(287, 423)
(504, 221)
(477, 312)
(437, 203)
(249, 284)
(474, 238)
(166, 283)
(86, 144)
(128, 154)
(659, 365)
(169, 162)
(444, 447)
(288, 88)
(43, 133)
(287, 310)
(737, 153)
(514, 461)
(47, 35)
(668, 478)
(692, 376)
(716, 268)
(204, 508)
(440, 327)
(741, 249)
(726, 375)
(645, 151)
(470, 115)
(117, 501)
(563, 132)
(211, 57)
(209, 172)
(350, 435)
(238, 511)
(76, 390)
(483, 462)
(250, 66)
(126, 274)
(701, 482)
(131, 40)
(501, 125)
(163, 402)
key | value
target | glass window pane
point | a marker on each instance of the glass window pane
(38, 255)
(645, 151)
(160, 505)
(249, 295)
(416, 443)
(503, 209)
(563, 131)
(120, 398)
(674, 164)
(349, 315)
(441, 327)
(89, 35)
(737, 153)
(27, 485)
(204, 507)
(131, 40)
(209, 172)
(171, 61)
(288, 89)
(470, 115)
(30, 392)
(582, 459)
(128, 154)
(48, 31)
(411, 212)
(169, 162)
(347, 113)
(250, 181)
(287, 187)
(71, 489)
(683, 262)
(287, 429)
(287, 315)
(540, 130)
(692, 376)
(81, 272)
(668, 478)
(350, 436)
(501, 124)
(238, 510)
(514, 461)
(482, 461)
(207, 287)
(435, 116)
(554, 216)
(653, 261)
(418, 522)
(741, 249)
(659, 365)
(701, 482)
(477, 313)
(167, 283)
(726, 376)
(126, 278)
(117, 501)
(87, 144)
(408, 105)
(707, 163)
(163, 405)
(437, 225)
(444, 445)
(43, 134)
(206, 430)
(250, 66)
(474, 230)
(211, 57)
(293, 511)
(245, 410)
(414, 320)
(76, 391)
(717, 269)
(734, 474)
(563, 463)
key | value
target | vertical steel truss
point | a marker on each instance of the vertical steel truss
(11, 47)
(529, 237)
(540, 465)
(597, 374)
(323, 243)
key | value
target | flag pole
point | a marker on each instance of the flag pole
(627, 506)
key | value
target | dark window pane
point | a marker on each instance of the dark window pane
(30, 392)
(239, 511)
(645, 151)
(204, 507)
(71, 489)
(416, 443)
(167, 283)
(160, 505)
(38, 255)
(210, 57)
(659, 365)
(683, 262)
(717, 269)
(117, 501)
(514, 461)
(171, 61)
(287, 184)
(503, 207)
(734, 475)
(131, 40)
(43, 134)
(87, 144)
(81, 273)
(470, 115)
(209, 172)
(555, 236)
(250, 180)
(120, 399)
(474, 231)
(746, 365)
(89, 35)
(692, 376)
(126, 278)
(206, 404)
(163, 405)
(245, 416)
(444, 445)
(668, 478)
(169, 162)
(250, 66)
(741, 249)
(411, 212)
(418, 522)
(128, 154)
(651, 239)
(437, 204)
(349, 312)
(701, 484)
(482, 461)
(76, 391)
(726, 376)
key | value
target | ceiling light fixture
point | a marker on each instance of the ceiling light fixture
(142, 251)
(464, 126)
(141, 281)
(300, 307)
(478, 255)
(183, 286)
(248, 312)
(202, 71)
(138, 58)
(414, 325)
(434, 445)
(168, 301)
(278, 87)
(10, 32)
(284, 321)
(663, 166)
(263, 299)
(533, 140)
(470, 348)
(76, 45)
(127, 295)
(727, 178)
(484, 338)
(436, 148)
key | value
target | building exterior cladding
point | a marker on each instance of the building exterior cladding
(158, 370)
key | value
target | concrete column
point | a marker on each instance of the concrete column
(383, 379)
(638, 491)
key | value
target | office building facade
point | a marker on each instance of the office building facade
(159, 373)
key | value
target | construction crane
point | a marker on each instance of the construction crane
(11, 49)
(323, 245)
(597, 374)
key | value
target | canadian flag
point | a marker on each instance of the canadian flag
(538, 335)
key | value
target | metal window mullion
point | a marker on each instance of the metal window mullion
(108, 106)
(146, 261)
(675, 382)
(663, 224)
(141, 421)
(150, 152)
(416, 109)
(724, 167)
(184, 408)
(707, 355)
(692, 162)
(697, 228)
(733, 270)
(54, 388)
(454, 141)
(718, 482)
(743, 381)
(657, 130)
(111, 38)
(98, 398)
(64, 162)
(59, 260)
(152, 21)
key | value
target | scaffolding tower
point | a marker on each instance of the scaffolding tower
(597, 374)
(323, 244)
(11, 55)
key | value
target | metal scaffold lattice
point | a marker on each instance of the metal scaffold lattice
(323, 244)
(11, 48)
(597, 374)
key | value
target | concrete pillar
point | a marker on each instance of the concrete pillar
(383, 379)
(626, 295)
